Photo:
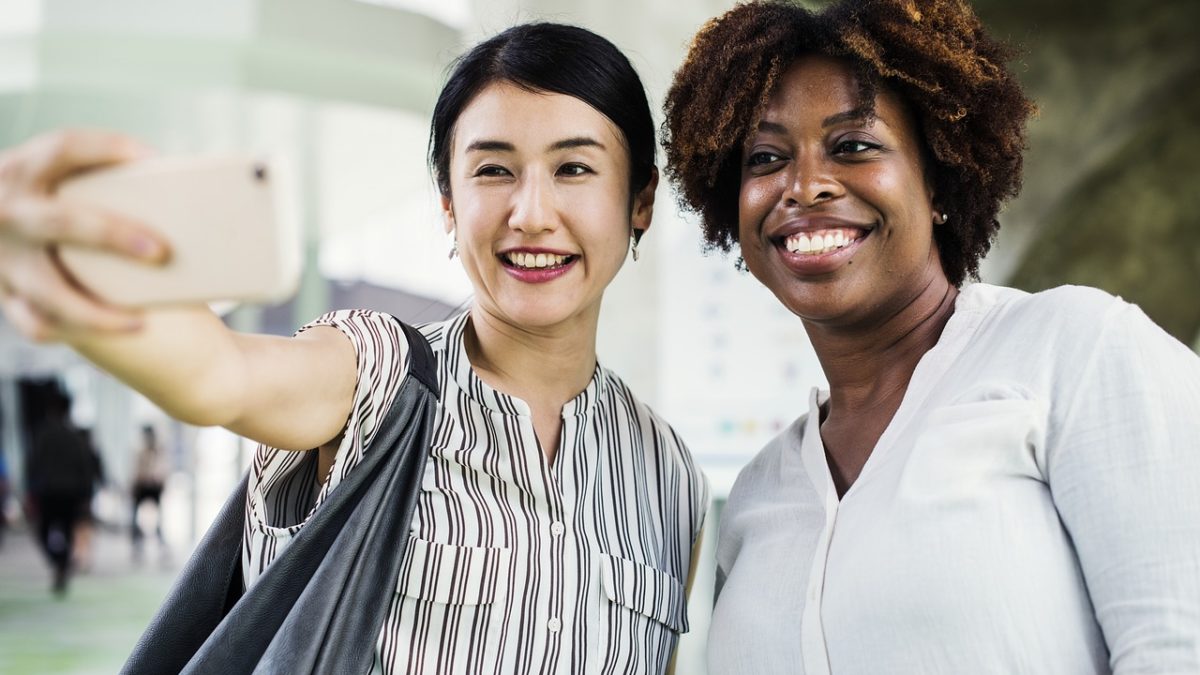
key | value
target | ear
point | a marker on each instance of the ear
(447, 213)
(939, 214)
(643, 204)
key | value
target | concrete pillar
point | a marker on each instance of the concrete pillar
(312, 299)
(11, 443)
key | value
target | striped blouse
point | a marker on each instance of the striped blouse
(514, 565)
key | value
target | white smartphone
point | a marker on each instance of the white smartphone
(230, 229)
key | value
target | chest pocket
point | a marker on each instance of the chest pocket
(452, 575)
(985, 441)
(645, 590)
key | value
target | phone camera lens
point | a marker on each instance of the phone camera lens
(260, 172)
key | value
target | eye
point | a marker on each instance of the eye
(762, 158)
(491, 171)
(854, 146)
(574, 169)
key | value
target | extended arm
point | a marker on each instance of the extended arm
(292, 393)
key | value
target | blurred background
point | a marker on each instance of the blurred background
(341, 91)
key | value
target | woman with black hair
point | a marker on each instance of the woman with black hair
(995, 481)
(557, 516)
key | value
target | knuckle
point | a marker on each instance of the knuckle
(27, 321)
(55, 224)
(42, 333)
(38, 332)
(57, 143)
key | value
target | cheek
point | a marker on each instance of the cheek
(476, 214)
(609, 235)
(904, 190)
(602, 217)
(756, 198)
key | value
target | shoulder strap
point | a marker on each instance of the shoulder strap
(421, 363)
(352, 546)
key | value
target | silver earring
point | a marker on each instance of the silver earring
(942, 218)
(453, 246)
(633, 240)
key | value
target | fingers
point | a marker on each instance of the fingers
(44, 161)
(40, 222)
(28, 321)
(31, 172)
(35, 292)
(40, 301)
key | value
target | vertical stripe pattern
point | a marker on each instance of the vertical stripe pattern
(515, 565)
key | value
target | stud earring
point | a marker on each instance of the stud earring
(453, 245)
(941, 218)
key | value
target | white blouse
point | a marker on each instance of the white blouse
(1033, 507)
(515, 565)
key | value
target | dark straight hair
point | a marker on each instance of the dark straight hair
(554, 58)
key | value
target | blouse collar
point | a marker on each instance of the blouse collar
(481, 392)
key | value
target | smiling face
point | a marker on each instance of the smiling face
(835, 214)
(539, 202)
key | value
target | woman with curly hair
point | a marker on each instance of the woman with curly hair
(995, 481)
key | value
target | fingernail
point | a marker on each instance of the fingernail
(147, 248)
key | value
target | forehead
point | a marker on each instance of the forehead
(531, 120)
(816, 86)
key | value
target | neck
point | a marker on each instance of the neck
(871, 366)
(545, 367)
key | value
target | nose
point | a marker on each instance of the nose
(812, 181)
(533, 209)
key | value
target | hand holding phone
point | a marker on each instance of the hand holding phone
(225, 221)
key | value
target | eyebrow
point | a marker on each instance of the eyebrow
(577, 142)
(857, 114)
(489, 145)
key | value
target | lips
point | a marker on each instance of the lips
(536, 266)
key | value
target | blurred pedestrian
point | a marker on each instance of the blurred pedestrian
(150, 473)
(59, 479)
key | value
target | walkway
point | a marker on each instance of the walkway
(91, 629)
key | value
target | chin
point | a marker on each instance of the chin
(539, 312)
(816, 301)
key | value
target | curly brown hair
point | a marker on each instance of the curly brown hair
(970, 111)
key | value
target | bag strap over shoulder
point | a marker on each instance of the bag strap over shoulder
(320, 605)
(421, 363)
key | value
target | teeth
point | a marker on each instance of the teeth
(535, 260)
(816, 243)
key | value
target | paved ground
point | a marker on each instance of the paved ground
(93, 627)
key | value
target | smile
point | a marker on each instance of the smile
(820, 242)
(536, 261)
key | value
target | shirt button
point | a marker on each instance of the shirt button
(554, 625)
(557, 528)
